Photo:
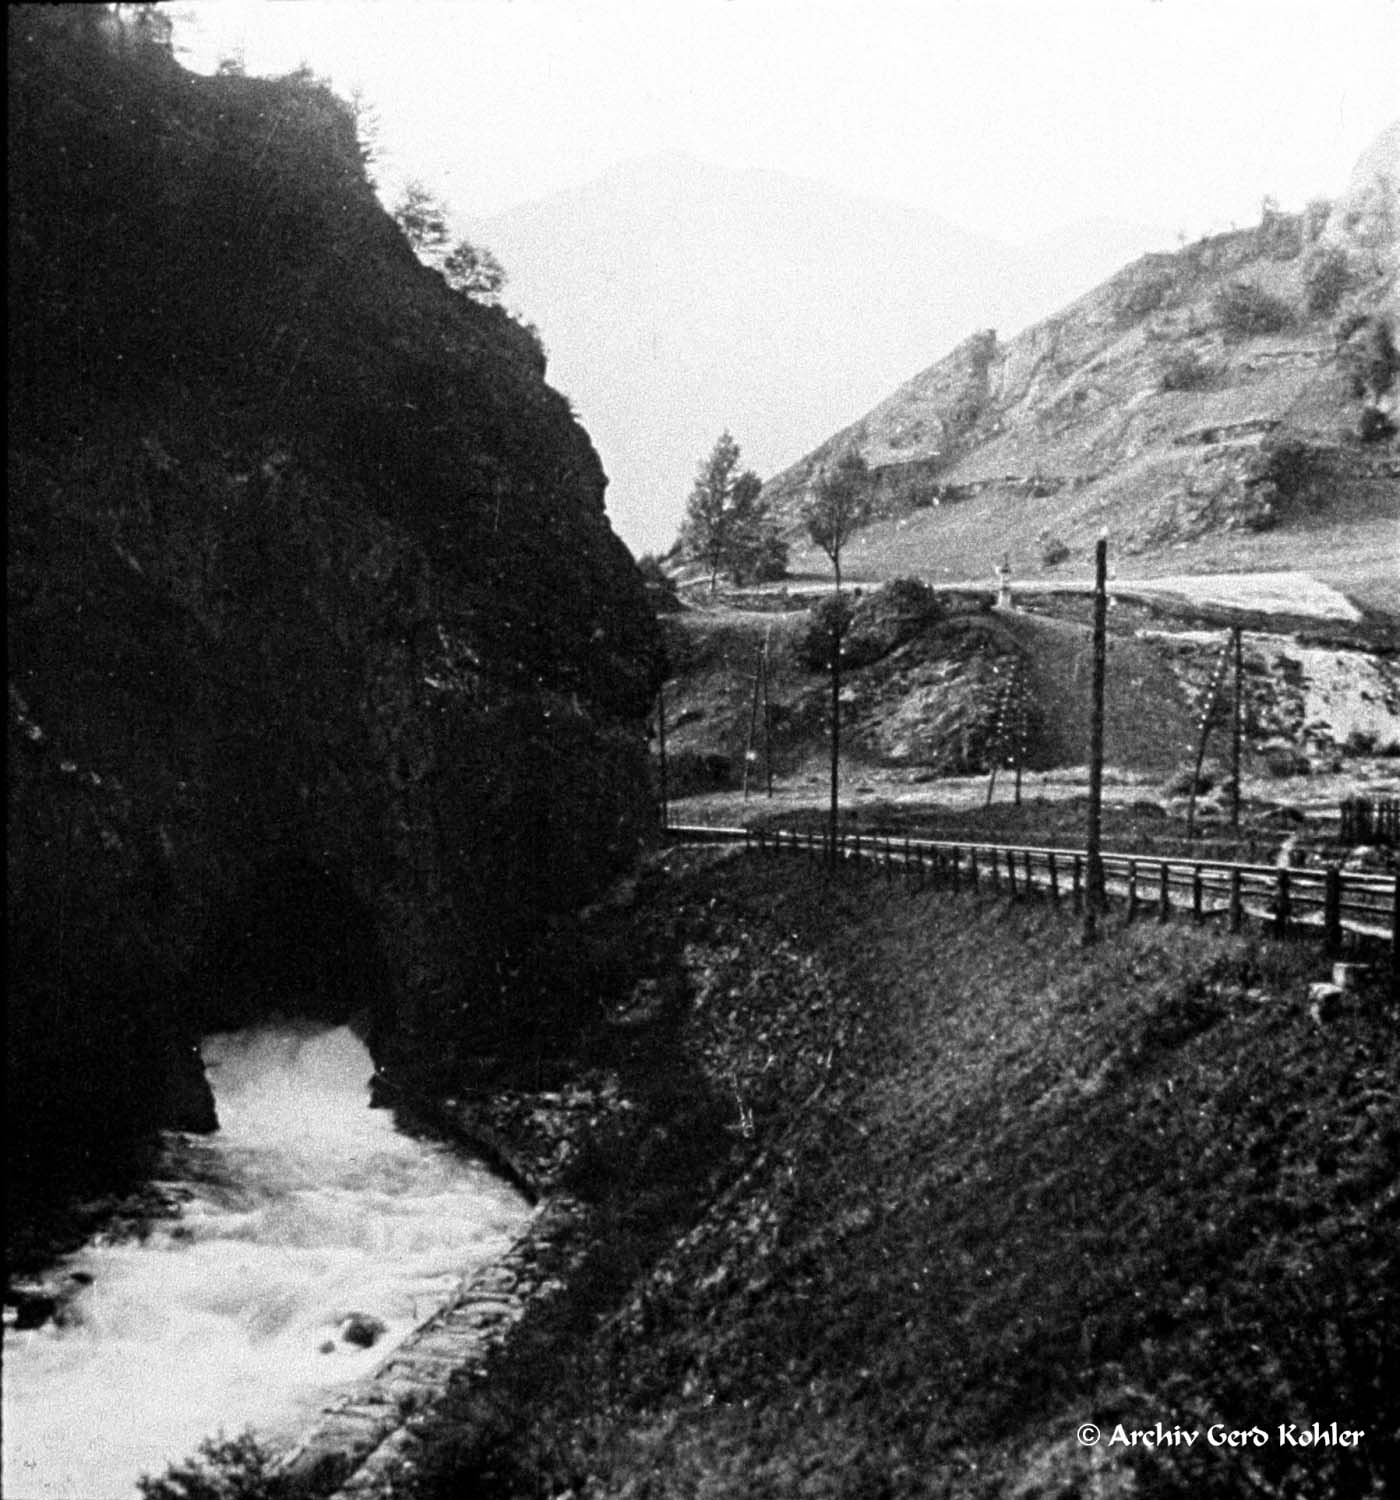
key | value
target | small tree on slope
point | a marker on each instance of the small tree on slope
(839, 504)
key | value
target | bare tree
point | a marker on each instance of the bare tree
(839, 504)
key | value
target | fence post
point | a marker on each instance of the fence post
(1236, 902)
(1094, 898)
(1332, 911)
(1281, 903)
(1054, 880)
(1011, 872)
(1197, 893)
(972, 867)
(1132, 889)
(1164, 892)
(1395, 944)
(957, 868)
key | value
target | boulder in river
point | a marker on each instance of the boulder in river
(362, 1330)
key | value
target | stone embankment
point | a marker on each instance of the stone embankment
(367, 1438)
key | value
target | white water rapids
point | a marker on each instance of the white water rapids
(305, 1208)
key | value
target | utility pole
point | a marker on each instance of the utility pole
(1217, 677)
(661, 738)
(1018, 680)
(999, 736)
(1094, 886)
(767, 716)
(1237, 728)
(750, 754)
(836, 634)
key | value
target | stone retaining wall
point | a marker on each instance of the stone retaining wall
(370, 1434)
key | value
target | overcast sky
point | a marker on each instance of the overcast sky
(1011, 117)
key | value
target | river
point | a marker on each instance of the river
(305, 1211)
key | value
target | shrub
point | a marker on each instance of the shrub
(764, 558)
(1374, 426)
(1327, 277)
(1280, 235)
(1144, 295)
(1289, 464)
(1367, 355)
(1285, 760)
(1184, 371)
(1244, 310)
(1053, 551)
(908, 597)
(223, 1469)
(1315, 217)
(691, 771)
(872, 628)
(1184, 781)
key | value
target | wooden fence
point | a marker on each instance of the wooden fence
(1368, 822)
(1287, 901)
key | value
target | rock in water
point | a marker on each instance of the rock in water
(362, 1330)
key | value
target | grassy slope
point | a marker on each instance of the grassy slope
(996, 1187)
(1352, 546)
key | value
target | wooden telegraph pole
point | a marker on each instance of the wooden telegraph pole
(661, 740)
(750, 754)
(1020, 682)
(837, 632)
(1237, 727)
(767, 717)
(1094, 888)
(1217, 677)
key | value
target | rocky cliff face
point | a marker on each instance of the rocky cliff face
(327, 674)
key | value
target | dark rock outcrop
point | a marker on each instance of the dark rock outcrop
(327, 674)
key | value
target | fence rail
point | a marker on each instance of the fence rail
(1289, 901)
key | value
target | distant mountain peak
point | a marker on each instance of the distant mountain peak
(678, 297)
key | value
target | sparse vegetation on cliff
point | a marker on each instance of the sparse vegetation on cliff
(1245, 310)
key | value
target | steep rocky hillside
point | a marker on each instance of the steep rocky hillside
(1229, 406)
(941, 684)
(327, 674)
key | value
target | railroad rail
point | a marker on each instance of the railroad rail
(1289, 901)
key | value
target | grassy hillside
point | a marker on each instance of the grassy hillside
(1353, 545)
(982, 1186)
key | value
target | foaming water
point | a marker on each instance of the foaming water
(306, 1209)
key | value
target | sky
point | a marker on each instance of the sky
(1009, 118)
